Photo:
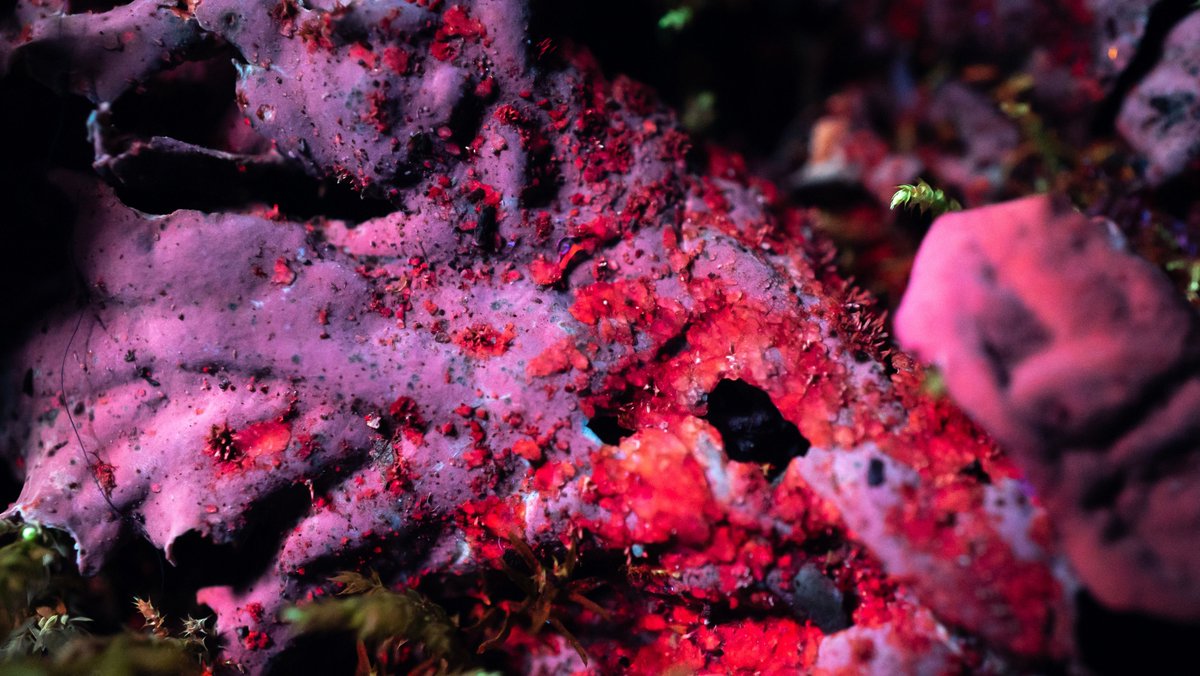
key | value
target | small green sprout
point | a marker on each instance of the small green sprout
(700, 112)
(1192, 268)
(926, 198)
(934, 383)
(47, 630)
(677, 19)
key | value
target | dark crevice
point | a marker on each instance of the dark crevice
(1177, 195)
(392, 553)
(487, 234)
(1103, 492)
(543, 179)
(237, 564)
(975, 471)
(996, 363)
(674, 346)
(1163, 17)
(466, 118)
(178, 142)
(94, 6)
(752, 428)
(1100, 430)
(159, 183)
(1113, 642)
(876, 473)
(608, 429)
(1171, 457)
(193, 102)
(419, 159)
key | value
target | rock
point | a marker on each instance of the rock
(1160, 117)
(884, 651)
(97, 55)
(1080, 358)
(1119, 26)
(820, 599)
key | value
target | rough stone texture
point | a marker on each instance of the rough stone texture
(880, 651)
(422, 382)
(1160, 117)
(1119, 28)
(99, 56)
(1080, 358)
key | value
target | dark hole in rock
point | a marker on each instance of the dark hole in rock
(876, 472)
(975, 471)
(159, 183)
(207, 563)
(193, 102)
(487, 230)
(466, 118)
(608, 429)
(752, 428)
(1113, 642)
(674, 346)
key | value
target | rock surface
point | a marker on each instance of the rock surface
(1080, 358)
(1161, 116)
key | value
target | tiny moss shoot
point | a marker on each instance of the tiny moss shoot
(926, 198)
(676, 19)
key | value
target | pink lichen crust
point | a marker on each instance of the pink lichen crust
(1079, 357)
(424, 379)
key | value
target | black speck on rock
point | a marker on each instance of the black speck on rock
(876, 473)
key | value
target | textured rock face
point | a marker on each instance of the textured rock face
(1161, 116)
(1119, 28)
(96, 55)
(1081, 358)
(408, 392)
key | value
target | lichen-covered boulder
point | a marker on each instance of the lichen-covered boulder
(1118, 29)
(1080, 358)
(1160, 117)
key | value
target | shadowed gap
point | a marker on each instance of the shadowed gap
(752, 428)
